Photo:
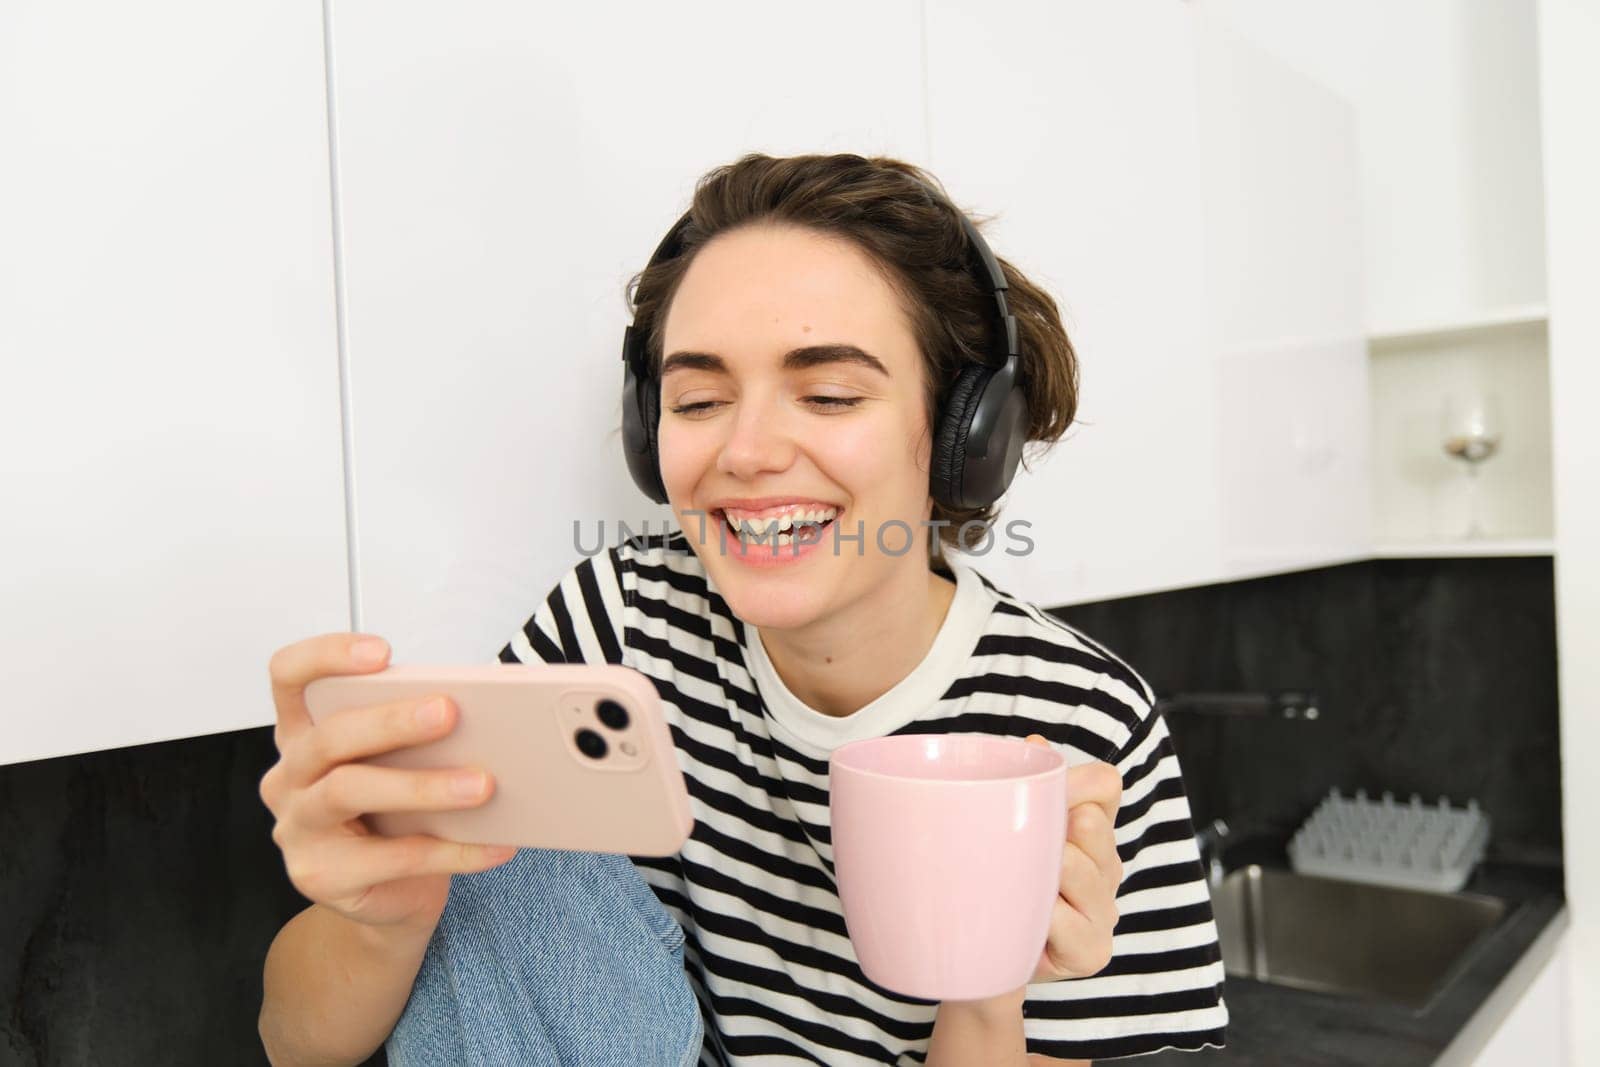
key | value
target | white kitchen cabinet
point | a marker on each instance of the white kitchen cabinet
(1452, 197)
(504, 168)
(1193, 205)
(169, 424)
(1283, 288)
(480, 193)
(500, 171)
(1079, 134)
(1453, 249)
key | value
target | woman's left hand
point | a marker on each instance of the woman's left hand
(1091, 871)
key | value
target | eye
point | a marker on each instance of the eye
(689, 409)
(834, 402)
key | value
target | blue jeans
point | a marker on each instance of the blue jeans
(554, 957)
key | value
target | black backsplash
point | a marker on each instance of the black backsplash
(139, 887)
(1436, 676)
(139, 890)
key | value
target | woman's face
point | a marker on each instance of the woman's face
(766, 411)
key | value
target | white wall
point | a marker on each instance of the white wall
(1535, 1030)
(1569, 41)
(171, 497)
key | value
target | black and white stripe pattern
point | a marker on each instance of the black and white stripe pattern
(765, 943)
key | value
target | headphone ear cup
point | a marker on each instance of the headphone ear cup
(949, 457)
(650, 401)
(640, 417)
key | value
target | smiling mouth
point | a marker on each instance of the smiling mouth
(805, 532)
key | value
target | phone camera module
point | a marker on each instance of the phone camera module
(612, 714)
(591, 744)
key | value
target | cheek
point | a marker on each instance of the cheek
(876, 456)
(684, 457)
(859, 451)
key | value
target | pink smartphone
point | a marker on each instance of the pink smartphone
(580, 754)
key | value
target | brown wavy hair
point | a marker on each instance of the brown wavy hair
(883, 205)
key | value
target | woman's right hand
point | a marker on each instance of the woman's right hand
(318, 794)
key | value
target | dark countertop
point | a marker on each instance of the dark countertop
(1283, 1027)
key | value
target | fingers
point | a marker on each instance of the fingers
(341, 867)
(1097, 783)
(1093, 835)
(355, 733)
(293, 667)
(1078, 945)
(1085, 916)
(1084, 887)
(1083, 924)
(354, 789)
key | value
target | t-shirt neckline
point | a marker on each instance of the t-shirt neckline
(909, 699)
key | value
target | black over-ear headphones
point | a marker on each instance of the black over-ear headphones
(982, 421)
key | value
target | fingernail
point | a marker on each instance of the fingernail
(370, 651)
(431, 714)
(467, 786)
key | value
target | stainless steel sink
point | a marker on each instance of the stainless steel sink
(1347, 938)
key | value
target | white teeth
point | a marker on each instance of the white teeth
(779, 525)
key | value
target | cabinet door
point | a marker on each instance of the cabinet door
(1453, 224)
(1076, 124)
(1193, 205)
(169, 424)
(1282, 283)
(504, 168)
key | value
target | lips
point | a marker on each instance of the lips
(767, 507)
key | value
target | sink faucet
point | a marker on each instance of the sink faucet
(1277, 703)
(1210, 838)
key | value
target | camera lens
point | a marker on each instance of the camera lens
(591, 744)
(612, 714)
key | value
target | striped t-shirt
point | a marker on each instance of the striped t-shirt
(765, 945)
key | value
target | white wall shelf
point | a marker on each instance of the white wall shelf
(1384, 337)
(1488, 547)
(1422, 496)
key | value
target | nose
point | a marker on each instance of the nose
(759, 440)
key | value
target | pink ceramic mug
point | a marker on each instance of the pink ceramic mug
(947, 853)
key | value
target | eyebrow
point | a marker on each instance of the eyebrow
(797, 359)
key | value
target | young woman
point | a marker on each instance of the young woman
(801, 348)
